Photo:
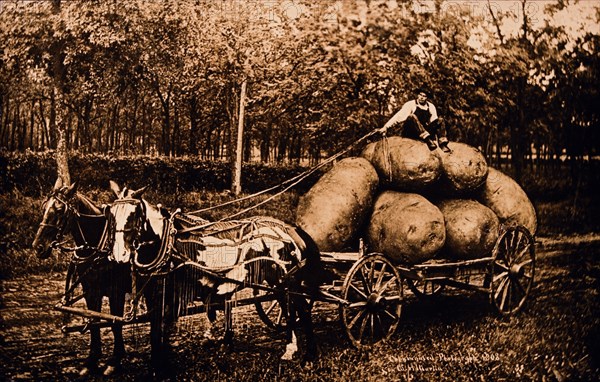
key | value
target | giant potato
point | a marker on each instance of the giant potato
(405, 164)
(337, 206)
(464, 169)
(406, 227)
(369, 151)
(508, 200)
(471, 229)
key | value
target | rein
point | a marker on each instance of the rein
(72, 216)
(286, 185)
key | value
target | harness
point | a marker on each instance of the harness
(80, 264)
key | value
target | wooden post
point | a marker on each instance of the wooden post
(236, 186)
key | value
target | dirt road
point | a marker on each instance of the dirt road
(458, 336)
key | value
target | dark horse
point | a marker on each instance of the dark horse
(67, 211)
(192, 259)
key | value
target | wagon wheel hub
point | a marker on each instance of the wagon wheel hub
(375, 302)
(517, 270)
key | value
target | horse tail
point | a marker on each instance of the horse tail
(313, 274)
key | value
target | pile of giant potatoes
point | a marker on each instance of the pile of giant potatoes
(413, 204)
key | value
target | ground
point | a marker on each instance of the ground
(457, 336)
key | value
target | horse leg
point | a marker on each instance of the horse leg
(117, 304)
(228, 338)
(155, 298)
(211, 315)
(156, 310)
(289, 313)
(93, 302)
(305, 314)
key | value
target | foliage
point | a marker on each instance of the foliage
(164, 77)
(34, 173)
(19, 220)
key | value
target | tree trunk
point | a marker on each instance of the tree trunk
(5, 111)
(166, 126)
(62, 154)
(193, 149)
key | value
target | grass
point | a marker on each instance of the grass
(458, 336)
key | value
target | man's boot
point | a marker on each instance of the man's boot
(445, 148)
(430, 143)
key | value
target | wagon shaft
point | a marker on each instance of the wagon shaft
(89, 313)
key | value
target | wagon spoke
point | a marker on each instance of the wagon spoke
(372, 324)
(500, 265)
(379, 321)
(505, 295)
(359, 304)
(518, 238)
(524, 251)
(501, 275)
(506, 246)
(371, 273)
(355, 319)
(387, 284)
(364, 280)
(360, 292)
(501, 286)
(363, 325)
(271, 307)
(391, 314)
(519, 287)
(380, 278)
(526, 263)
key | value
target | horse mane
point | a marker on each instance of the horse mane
(87, 206)
(154, 217)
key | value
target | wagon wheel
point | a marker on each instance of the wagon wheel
(424, 288)
(512, 269)
(373, 291)
(270, 312)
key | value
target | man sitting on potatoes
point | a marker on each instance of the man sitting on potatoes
(420, 120)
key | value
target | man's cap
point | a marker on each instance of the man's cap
(422, 90)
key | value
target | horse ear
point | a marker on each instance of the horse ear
(138, 193)
(58, 184)
(115, 188)
(72, 189)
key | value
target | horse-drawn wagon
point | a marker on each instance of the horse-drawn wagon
(369, 289)
(181, 264)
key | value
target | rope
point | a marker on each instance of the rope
(292, 182)
(386, 154)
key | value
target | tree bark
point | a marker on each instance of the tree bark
(62, 155)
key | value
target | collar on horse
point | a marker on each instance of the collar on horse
(72, 216)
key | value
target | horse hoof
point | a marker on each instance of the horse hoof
(290, 351)
(87, 371)
(111, 370)
(226, 348)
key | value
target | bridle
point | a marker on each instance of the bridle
(63, 220)
(138, 222)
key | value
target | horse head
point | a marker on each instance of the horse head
(136, 223)
(59, 210)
